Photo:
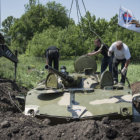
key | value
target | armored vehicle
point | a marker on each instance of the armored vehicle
(80, 95)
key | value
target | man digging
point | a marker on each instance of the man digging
(121, 55)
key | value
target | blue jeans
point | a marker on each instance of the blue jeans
(106, 61)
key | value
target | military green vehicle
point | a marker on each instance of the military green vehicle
(84, 94)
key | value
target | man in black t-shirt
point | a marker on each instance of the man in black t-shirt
(103, 49)
(52, 56)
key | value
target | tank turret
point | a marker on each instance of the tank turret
(67, 81)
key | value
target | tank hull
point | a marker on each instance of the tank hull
(76, 104)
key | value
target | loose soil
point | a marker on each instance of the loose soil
(135, 87)
(16, 126)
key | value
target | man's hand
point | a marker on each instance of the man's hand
(89, 54)
(124, 70)
(109, 53)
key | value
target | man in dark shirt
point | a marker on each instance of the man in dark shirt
(52, 56)
(103, 49)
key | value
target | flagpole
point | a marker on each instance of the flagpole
(117, 25)
(117, 33)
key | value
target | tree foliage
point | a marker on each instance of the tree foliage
(36, 19)
(44, 25)
(57, 14)
(6, 24)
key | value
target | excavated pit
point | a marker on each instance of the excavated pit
(15, 125)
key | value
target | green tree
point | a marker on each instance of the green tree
(24, 29)
(6, 25)
(36, 19)
(40, 42)
(57, 14)
(30, 4)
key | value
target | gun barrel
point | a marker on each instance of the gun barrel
(63, 76)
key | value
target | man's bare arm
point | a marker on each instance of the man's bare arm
(127, 63)
(109, 53)
(94, 53)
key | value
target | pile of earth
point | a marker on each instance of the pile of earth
(15, 125)
(8, 92)
(18, 126)
(135, 87)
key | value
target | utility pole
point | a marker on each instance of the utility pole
(0, 13)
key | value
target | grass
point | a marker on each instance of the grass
(134, 73)
(31, 71)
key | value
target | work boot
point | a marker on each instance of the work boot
(121, 83)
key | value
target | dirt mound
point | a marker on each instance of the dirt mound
(18, 126)
(15, 125)
(8, 92)
(135, 87)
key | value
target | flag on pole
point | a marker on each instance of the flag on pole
(127, 20)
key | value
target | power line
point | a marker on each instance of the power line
(77, 10)
(93, 31)
(70, 8)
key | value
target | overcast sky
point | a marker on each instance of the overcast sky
(100, 8)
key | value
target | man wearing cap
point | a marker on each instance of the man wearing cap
(121, 55)
(52, 56)
(103, 49)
